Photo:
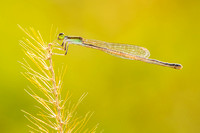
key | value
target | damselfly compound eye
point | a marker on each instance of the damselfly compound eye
(61, 36)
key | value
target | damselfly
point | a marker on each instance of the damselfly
(125, 51)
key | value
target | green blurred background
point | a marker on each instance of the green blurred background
(127, 96)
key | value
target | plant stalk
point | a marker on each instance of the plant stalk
(55, 91)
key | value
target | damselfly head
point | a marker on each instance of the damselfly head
(61, 36)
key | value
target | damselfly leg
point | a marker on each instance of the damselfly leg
(66, 48)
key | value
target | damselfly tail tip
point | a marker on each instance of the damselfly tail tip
(178, 66)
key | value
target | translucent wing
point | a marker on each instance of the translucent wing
(127, 49)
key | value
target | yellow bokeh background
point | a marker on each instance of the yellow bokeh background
(127, 96)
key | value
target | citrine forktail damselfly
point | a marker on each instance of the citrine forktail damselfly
(126, 51)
